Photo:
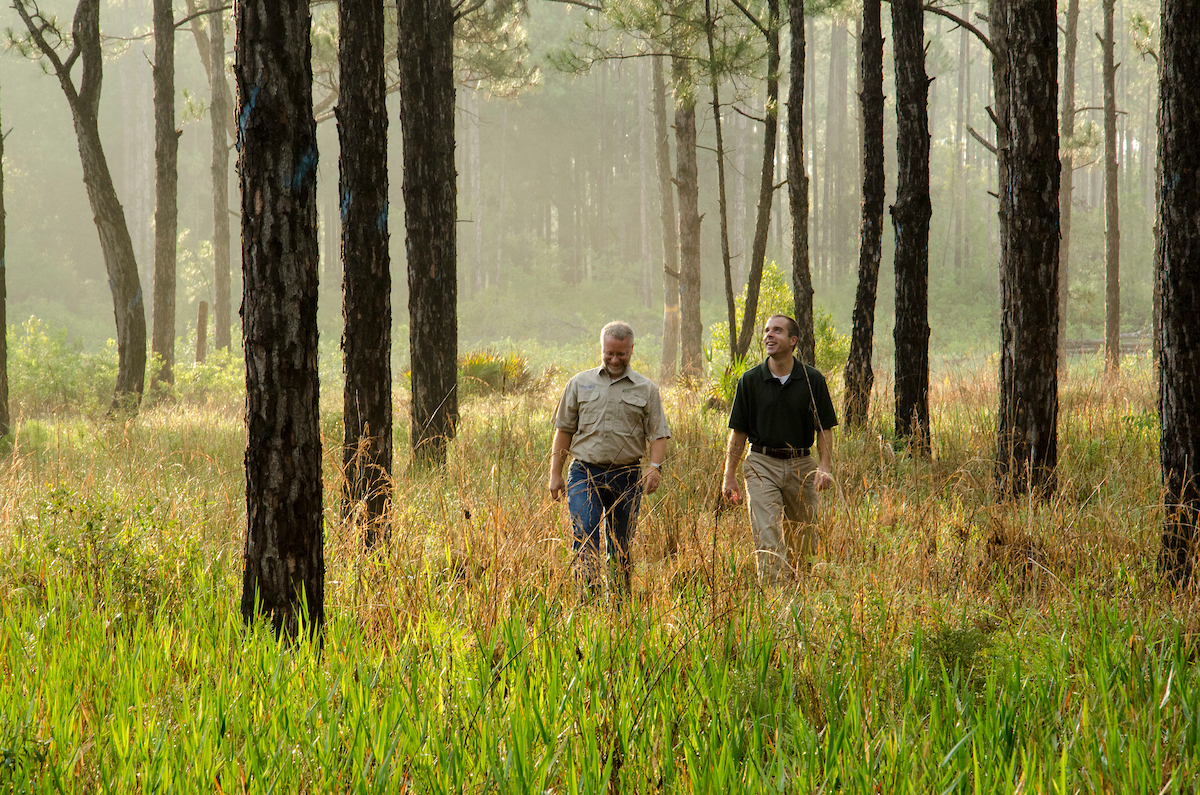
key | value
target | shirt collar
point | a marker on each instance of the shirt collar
(767, 375)
(603, 373)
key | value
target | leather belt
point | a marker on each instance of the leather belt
(609, 467)
(785, 453)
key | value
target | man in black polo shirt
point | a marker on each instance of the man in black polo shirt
(782, 407)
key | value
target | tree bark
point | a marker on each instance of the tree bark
(1112, 228)
(427, 126)
(802, 289)
(958, 209)
(217, 81)
(670, 235)
(644, 125)
(119, 260)
(5, 416)
(166, 189)
(723, 214)
(766, 185)
(1027, 449)
(910, 222)
(1067, 165)
(691, 329)
(500, 200)
(1179, 266)
(219, 111)
(366, 276)
(284, 576)
(860, 376)
(835, 231)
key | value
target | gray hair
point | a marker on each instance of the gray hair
(616, 330)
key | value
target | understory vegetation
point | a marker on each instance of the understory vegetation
(942, 643)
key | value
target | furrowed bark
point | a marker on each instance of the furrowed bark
(284, 574)
(367, 281)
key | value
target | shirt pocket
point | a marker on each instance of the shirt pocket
(632, 410)
(591, 409)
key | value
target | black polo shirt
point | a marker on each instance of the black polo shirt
(782, 415)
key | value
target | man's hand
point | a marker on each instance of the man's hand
(558, 457)
(558, 486)
(651, 479)
(733, 457)
(822, 479)
(730, 488)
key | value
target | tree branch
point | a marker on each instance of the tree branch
(753, 19)
(1096, 107)
(471, 9)
(962, 23)
(580, 3)
(205, 12)
(749, 116)
(62, 69)
(986, 144)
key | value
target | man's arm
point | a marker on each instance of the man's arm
(652, 477)
(558, 457)
(823, 478)
(733, 457)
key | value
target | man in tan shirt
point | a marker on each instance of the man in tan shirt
(606, 418)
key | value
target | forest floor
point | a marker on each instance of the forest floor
(942, 643)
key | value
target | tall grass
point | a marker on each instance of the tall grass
(943, 643)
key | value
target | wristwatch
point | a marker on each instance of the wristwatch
(656, 466)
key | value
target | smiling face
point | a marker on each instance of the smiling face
(777, 337)
(616, 354)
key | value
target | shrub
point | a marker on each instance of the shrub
(774, 298)
(486, 372)
(47, 372)
(222, 373)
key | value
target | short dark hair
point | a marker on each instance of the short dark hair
(792, 326)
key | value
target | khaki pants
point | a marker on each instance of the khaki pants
(782, 498)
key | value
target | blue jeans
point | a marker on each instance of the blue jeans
(595, 494)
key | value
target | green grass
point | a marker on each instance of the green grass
(943, 643)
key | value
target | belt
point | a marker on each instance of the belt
(780, 452)
(609, 467)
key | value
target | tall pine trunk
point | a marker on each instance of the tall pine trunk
(644, 125)
(366, 275)
(766, 185)
(1067, 176)
(958, 210)
(219, 110)
(5, 417)
(166, 188)
(687, 182)
(670, 233)
(427, 128)
(667, 221)
(1027, 447)
(1179, 269)
(802, 287)
(860, 376)
(284, 576)
(1112, 227)
(910, 222)
(129, 309)
(722, 206)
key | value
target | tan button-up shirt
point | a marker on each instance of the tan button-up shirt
(612, 421)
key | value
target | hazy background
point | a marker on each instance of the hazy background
(554, 235)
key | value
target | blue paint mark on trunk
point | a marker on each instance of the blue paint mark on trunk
(306, 168)
(244, 116)
(345, 205)
(381, 221)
